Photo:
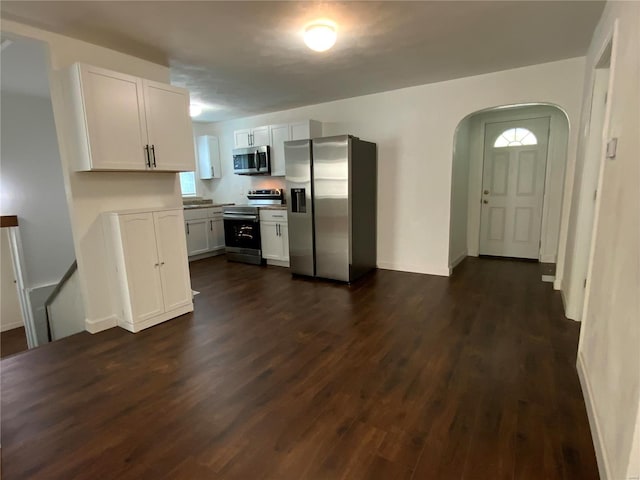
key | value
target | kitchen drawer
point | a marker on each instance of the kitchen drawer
(279, 216)
(197, 213)
(215, 212)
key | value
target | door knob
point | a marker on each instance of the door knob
(486, 192)
(485, 201)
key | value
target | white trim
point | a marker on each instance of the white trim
(19, 268)
(101, 324)
(557, 285)
(157, 319)
(278, 263)
(400, 267)
(461, 256)
(613, 39)
(10, 326)
(598, 444)
(550, 258)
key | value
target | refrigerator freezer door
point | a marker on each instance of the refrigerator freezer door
(331, 206)
(297, 155)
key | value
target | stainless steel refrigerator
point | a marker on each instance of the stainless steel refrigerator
(332, 190)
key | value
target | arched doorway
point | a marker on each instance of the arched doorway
(507, 183)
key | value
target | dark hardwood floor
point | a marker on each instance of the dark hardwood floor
(399, 376)
(12, 341)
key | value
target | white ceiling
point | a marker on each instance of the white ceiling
(243, 58)
(24, 67)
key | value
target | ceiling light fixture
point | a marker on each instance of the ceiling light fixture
(320, 35)
(195, 110)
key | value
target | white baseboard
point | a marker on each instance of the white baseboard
(461, 256)
(278, 263)
(11, 326)
(101, 324)
(212, 253)
(596, 436)
(399, 267)
(548, 258)
(557, 284)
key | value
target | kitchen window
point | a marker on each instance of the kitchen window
(188, 184)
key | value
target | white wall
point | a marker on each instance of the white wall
(608, 354)
(32, 187)
(89, 194)
(459, 196)
(554, 176)
(414, 129)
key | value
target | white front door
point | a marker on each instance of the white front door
(515, 160)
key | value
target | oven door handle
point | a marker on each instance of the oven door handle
(232, 216)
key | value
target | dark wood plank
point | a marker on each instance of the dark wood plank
(8, 221)
(12, 341)
(398, 376)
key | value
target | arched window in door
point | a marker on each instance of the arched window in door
(515, 137)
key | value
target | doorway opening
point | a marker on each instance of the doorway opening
(507, 184)
(40, 245)
(585, 193)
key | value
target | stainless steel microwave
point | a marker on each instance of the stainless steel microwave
(252, 161)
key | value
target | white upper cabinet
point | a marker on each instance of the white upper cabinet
(278, 135)
(120, 122)
(260, 136)
(251, 137)
(209, 165)
(306, 129)
(242, 138)
(169, 127)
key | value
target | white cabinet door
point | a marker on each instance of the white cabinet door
(197, 236)
(260, 136)
(208, 157)
(242, 138)
(169, 127)
(284, 238)
(172, 253)
(271, 242)
(216, 234)
(114, 116)
(142, 265)
(300, 131)
(279, 134)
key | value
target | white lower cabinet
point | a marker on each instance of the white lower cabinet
(150, 274)
(204, 229)
(197, 236)
(274, 235)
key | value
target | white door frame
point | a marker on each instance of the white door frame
(17, 258)
(555, 168)
(611, 40)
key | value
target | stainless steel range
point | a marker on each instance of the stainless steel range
(242, 226)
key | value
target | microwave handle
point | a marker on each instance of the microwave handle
(257, 160)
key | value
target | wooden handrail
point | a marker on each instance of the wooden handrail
(55, 292)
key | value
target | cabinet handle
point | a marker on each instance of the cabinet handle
(187, 229)
(211, 225)
(161, 263)
(156, 264)
(153, 151)
(212, 172)
(146, 154)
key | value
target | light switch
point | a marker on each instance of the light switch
(612, 147)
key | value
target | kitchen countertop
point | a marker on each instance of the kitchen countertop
(206, 205)
(272, 207)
